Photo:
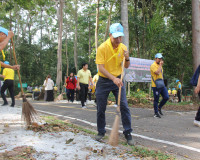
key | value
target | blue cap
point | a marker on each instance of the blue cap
(5, 31)
(177, 80)
(116, 30)
(6, 62)
(158, 55)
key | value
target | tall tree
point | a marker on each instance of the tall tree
(97, 24)
(89, 34)
(75, 36)
(108, 21)
(59, 52)
(195, 33)
(66, 50)
(124, 20)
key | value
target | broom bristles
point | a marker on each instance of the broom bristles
(28, 112)
(114, 135)
(60, 97)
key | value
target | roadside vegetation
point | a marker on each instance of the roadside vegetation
(135, 151)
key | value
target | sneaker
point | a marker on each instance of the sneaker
(160, 112)
(197, 123)
(99, 136)
(129, 139)
(156, 115)
(5, 104)
(84, 107)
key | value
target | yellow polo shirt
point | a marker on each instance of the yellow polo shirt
(95, 78)
(112, 59)
(174, 92)
(8, 73)
(84, 76)
(154, 67)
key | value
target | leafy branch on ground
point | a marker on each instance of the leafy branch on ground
(18, 153)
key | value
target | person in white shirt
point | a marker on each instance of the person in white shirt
(48, 83)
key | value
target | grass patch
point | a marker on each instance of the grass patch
(146, 153)
(54, 120)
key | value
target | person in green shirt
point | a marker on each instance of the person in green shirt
(84, 80)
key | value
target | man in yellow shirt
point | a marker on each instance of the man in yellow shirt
(157, 73)
(95, 79)
(109, 59)
(5, 36)
(8, 75)
(84, 79)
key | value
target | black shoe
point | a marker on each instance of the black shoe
(129, 139)
(12, 105)
(99, 136)
(156, 115)
(5, 104)
(160, 112)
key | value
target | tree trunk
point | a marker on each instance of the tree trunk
(75, 37)
(59, 53)
(29, 31)
(89, 30)
(144, 31)
(41, 24)
(124, 20)
(17, 26)
(136, 32)
(108, 22)
(97, 25)
(195, 33)
(10, 43)
(67, 58)
(66, 51)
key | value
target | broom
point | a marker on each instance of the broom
(28, 112)
(114, 135)
(60, 96)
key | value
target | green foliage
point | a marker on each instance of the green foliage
(154, 26)
(149, 154)
(140, 96)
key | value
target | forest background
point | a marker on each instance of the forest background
(56, 36)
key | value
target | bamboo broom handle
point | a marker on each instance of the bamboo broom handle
(14, 55)
(120, 88)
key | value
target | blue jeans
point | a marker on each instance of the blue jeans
(156, 93)
(103, 88)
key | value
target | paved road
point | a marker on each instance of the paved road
(173, 133)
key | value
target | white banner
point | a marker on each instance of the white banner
(139, 70)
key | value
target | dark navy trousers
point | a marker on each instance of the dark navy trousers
(156, 93)
(197, 118)
(103, 88)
